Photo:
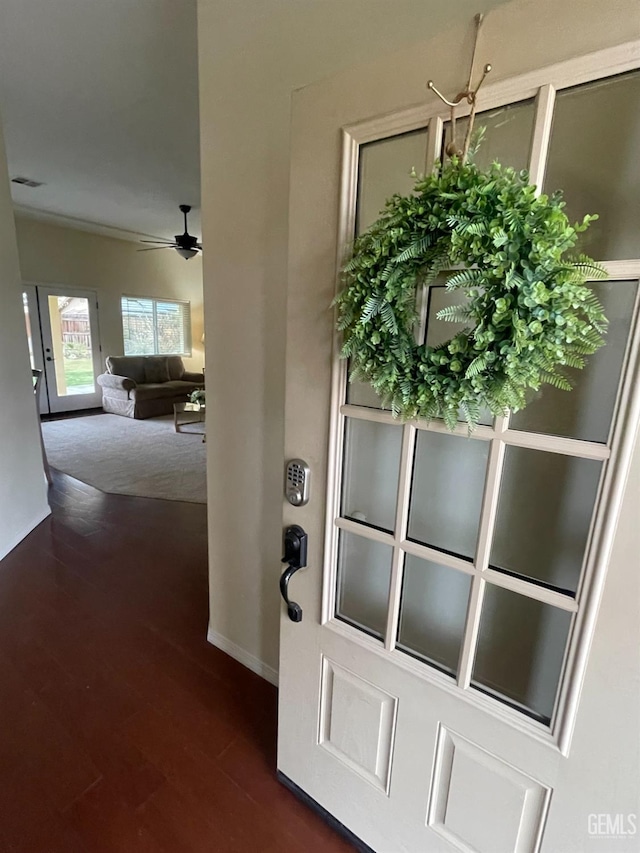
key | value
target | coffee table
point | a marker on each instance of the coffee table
(188, 413)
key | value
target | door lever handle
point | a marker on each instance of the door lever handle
(294, 610)
(295, 554)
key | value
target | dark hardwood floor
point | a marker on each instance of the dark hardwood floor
(121, 728)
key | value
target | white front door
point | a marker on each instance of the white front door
(429, 698)
(71, 347)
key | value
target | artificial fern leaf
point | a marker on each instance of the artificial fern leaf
(465, 278)
(371, 308)
(415, 250)
(455, 314)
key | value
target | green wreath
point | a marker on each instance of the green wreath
(528, 311)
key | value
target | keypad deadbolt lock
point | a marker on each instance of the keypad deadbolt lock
(297, 482)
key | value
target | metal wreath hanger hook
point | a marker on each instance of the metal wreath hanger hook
(469, 95)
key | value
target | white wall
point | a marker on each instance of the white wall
(52, 254)
(23, 496)
(251, 56)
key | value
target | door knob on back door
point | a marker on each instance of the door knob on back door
(295, 554)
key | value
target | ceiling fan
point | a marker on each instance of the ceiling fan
(185, 244)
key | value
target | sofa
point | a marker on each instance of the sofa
(144, 386)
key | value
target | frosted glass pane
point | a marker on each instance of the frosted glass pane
(362, 394)
(507, 138)
(593, 158)
(364, 572)
(587, 410)
(371, 471)
(441, 331)
(544, 512)
(446, 493)
(521, 646)
(433, 612)
(385, 168)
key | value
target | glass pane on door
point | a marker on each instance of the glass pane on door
(587, 410)
(593, 157)
(364, 573)
(507, 138)
(371, 471)
(72, 352)
(520, 650)
(446, 492)
(433, 611)
(385, 168)
(544, 515)
(362, 394)
(440, 331)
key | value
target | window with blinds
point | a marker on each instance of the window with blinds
(156, 326)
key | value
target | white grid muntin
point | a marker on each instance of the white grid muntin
(615, 454)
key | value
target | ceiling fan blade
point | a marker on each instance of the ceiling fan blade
(164, 242)
(155, 248)
(199, 246)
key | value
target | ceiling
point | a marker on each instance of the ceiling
(99, 100)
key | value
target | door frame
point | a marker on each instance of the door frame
(31, 292)
(536, 84)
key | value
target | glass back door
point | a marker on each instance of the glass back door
(71, 347)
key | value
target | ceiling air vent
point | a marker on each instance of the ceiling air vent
(27, 182)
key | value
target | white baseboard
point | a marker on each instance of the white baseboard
(245, 658)
(17, 539)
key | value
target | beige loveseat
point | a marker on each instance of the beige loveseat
(143, 386)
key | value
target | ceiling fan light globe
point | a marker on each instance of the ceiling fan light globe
(186, 253)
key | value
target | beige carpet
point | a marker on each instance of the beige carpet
(145, 458)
